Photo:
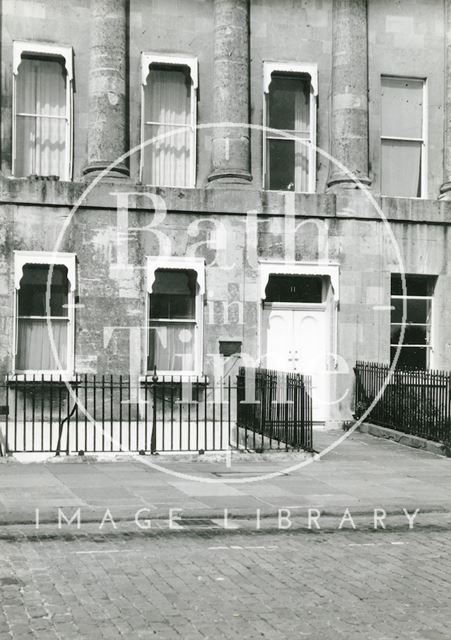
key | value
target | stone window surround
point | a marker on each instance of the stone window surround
(186, 263)
(37, 49)
(310, 69)
(68, 260)
(176, 60)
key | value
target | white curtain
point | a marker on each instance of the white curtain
(401, 168)
(302, 128)
(41, 118)
(172, 347)
(167, 105)
(34, 351)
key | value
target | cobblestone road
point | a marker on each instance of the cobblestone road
(198, 584)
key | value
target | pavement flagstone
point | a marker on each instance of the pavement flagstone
(363, 473)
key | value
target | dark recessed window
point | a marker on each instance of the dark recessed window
(36, 312)
(416, 344)
(172, 320)
(229, 348)
(289, 162)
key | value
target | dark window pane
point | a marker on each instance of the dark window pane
(417, 311)
(410, 358)
(173, 295)
(416, 285)
(33, 288)
(396, 284)
(289, 288)
(412, 335)
(228, 348)
(281, 165)
(397, 309)
(289, 103)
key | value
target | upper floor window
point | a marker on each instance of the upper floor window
(415, 350)
(42, 106)
(290, 107)
(404, 137)
(176, 287)
(169, 114)
(44, 312)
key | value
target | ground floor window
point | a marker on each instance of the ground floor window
(415, 350)
(174, 322)
(44, 313)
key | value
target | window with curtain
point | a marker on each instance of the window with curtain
(173, 320)
(42, 118)
(168, 109)
(34, 351)
(403, 150)
(416, 346)
(288, 109)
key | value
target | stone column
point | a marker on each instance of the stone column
(230, 145)
(107, 124)
(445, 189)
(349, 135)
(2, 111)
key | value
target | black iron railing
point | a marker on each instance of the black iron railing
(274, 409)
(107, 413)
(414, 402)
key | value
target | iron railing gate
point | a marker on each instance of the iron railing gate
(110, 413)
(274, 409)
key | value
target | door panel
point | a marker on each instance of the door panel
(310, 346)
(277, 338)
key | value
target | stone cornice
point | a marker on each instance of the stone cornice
(233, 201)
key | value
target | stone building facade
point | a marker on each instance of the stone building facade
(185, 174)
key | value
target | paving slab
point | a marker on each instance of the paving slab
(363, 473)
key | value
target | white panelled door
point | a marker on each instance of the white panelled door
(295, 340)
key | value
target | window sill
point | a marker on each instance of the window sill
(174, 378)
(167, 186)
(290, 191)
(38, 377)
(383, 195)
